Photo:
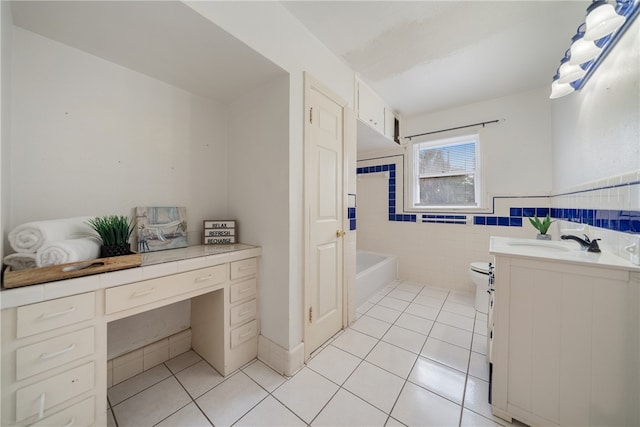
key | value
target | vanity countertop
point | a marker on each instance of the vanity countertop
(560, 251)
(154, 264)
(190, 252)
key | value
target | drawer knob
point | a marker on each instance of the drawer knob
(58, 313)
(45, 356)
(41, 408)
(71, 422)
(203, 278)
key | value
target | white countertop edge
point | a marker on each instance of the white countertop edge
(31, 294)
(501, 246)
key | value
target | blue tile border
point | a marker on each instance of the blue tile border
(391, 170)
(444, 219)
(627, 221)
(611, 219)
(351, 216)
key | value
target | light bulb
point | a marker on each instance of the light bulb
(570, 73)
(559, 90)
(601, 21)
(583, 51)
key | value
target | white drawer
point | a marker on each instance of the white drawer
(244, 333)
(243, 268)
(45, 355)
(45, 316)
(136, 294)
(79, 415)
(36, 398)
(243, 290)
(243, 312)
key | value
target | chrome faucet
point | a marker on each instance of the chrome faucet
(586, 243)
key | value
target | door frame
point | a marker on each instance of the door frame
(311, 83)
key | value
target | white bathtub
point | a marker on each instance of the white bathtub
(373, 272)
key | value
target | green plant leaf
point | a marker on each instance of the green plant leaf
(541, 226)
(113, 230)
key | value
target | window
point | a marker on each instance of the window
(446, 173)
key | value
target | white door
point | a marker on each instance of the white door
(324, 210)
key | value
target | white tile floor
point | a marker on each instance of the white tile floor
(415, 357)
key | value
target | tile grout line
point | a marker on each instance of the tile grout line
(362, 359)
(406, 380)
(193, 400)
(466, 377)
(269, 393)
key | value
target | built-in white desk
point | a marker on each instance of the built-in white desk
(54, 335)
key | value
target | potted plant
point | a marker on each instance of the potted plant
(542, 226)
(114, 231)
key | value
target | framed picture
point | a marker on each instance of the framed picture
(161, 228)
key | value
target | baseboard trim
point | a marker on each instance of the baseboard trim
(283, 361)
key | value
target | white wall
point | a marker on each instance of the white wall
(5, 113)
(284, 41)
(596, 130)
(92, 138)
(258, 193)
(6, 26)
(78, 137)
(596, 146)
(519, 148)
(516, 160)
(578, 144)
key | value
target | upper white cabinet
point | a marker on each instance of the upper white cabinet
(390, 128)
(381, 123)
(371, 108)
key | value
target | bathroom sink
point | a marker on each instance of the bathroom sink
(541, 245)
(557, 250)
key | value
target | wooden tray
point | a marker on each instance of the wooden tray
(32, 276)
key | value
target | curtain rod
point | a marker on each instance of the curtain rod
(459, 127)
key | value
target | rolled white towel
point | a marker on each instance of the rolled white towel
(29, 237)
(20, 261)
(64, 251)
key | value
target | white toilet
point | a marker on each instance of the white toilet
(479, 273)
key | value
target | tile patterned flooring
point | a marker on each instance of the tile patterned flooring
(415, 356)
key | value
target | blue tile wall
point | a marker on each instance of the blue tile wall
(617, 220)
(351, 215)
(500, 221)
(445, 219)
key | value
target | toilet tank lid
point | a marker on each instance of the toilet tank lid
(480, 267)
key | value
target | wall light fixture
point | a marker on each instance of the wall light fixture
(594, 39)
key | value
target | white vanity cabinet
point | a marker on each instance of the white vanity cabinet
(239, 330)
(566, 342)
(50, 362)
(54, 351)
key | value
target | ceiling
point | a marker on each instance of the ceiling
(166, 40)
(419, 56)
(425, 56)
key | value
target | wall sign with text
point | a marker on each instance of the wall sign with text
(217, 232)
